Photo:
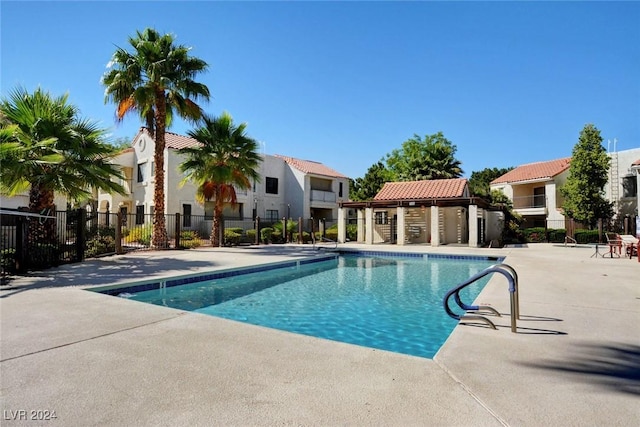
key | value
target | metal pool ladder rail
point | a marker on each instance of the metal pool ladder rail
(512, 277)
(324, 239)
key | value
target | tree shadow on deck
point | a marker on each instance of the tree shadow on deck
(612, 366)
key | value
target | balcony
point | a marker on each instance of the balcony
(530, 205)
(323, 196)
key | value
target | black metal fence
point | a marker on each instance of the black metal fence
(557, 231)
(31, 241)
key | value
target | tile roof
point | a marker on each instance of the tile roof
(308, 166)
(177, 142)
(428, 189)
(171, 140)
(532, 171)
(636, 163)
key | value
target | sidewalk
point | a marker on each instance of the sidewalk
(99, 360)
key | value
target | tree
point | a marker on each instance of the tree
(46, 147)
(480, 180)
(418, 159)
(226, 159)
(156, 79)
(367, 187)
(588, 174)
(121, 143)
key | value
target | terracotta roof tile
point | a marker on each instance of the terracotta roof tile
(636, 163)
(531, 171)
(428, 189)
(177, 142)
(308, 166)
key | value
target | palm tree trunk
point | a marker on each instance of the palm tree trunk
(41, 230)
(159, 238)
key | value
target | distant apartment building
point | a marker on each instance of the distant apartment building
(288, 187)
(534, 188)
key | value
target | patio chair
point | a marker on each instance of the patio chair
(630, 244)
(615, 244)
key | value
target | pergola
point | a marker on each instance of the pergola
(460, 220)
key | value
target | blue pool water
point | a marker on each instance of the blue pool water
(388, 303)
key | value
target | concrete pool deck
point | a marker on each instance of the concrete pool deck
(100, 360)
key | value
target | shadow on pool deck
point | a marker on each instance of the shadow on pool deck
(615, 367)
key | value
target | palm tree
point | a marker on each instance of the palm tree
(45, 147)
(224, 160)
(156, 79)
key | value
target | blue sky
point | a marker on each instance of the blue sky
(344, 83)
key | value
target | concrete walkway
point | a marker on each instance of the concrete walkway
(99, 360)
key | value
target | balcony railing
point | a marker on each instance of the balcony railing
(323, 196)
(529, 202)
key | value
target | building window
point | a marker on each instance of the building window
(340, 189)
(141, 172)
(381, 217)
(629, 186)
(539, 198)
(139, 214)
(271, 185)
(233, 211)
(272, 215)
(153, 169)
(186, 215)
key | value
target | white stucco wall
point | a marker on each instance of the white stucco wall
(625, 158)
(273, 167)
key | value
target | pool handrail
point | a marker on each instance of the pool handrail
(512, 277)
(324, 239)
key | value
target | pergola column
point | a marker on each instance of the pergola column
(361, 226)
(342, 225)
(400, 225)
(473, 226)
(435, 226)
(368, 238)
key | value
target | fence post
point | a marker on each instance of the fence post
(118, 233)
(284, 229)
(177, 244)
(257, 230)
(313, 231)
(21, 244)
(81, 235)
(300, 240)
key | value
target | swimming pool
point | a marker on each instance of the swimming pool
(385, 301)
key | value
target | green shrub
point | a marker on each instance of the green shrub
(265, 234)
(140, 234)
(99, 245)
(306, 237)
(251, 235)
(534, 234)
(277, 237)
(189, 239)
(352, 232)
(231, 237)
(556, 235)
(189, 235)
(332, 234)
(7, 258)
(586, 236)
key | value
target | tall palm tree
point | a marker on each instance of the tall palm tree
(155, 80)
(46, 147)
(225, 159)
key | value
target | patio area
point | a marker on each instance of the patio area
(98, 360)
